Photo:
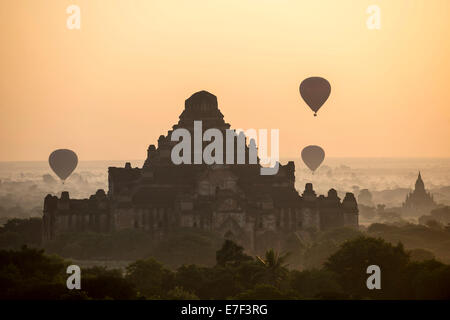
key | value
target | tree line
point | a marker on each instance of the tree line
(30, 273)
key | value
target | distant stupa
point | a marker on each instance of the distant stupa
(419, 201)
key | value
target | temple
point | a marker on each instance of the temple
(419, 201)
(233, 200)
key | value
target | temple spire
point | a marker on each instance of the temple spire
(420, 186)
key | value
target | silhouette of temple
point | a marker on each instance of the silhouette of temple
(232, 200)
(419, 201)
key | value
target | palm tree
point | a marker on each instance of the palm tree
(274, 266)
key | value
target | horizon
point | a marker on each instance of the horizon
(281, 158)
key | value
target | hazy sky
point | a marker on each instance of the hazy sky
(109, 90)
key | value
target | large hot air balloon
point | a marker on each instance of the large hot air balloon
(315, 91)
(63, 162)
(313, 157)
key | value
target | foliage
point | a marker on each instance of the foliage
(325, 244)
(426, 280)
(18, 232)
(123, 244)
(31, 274)
(351, 261)
(274, 269)
(413, 236)
(180, 246)
(151, 279)
(179, 293)
(264, 292)
(314, 283)
(419, 255)
(102, 283)
(231, 254)
(187, 246)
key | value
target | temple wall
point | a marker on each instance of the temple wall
(218, 218)
(310, 218)
(351, 219)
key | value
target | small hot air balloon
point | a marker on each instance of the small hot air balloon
(315, 91)
(313, 157)
(63, 162)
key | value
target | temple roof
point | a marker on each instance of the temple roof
(202, 106)
(420, 186)
(201, 98)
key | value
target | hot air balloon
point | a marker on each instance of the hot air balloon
(63, 162)
(315, 91)
(313, 157)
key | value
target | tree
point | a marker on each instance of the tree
(150, 278)
(231, 254)
(30, 274)
(420, 255)
(365, 197)
(325, 244)
(315, 284)
(264, 292)
(221, 283)
(350, 264)
(441, 214)
(193, 278)
(18, 232)
(426, 280)
(433, 224)
(179, 293)
(248, 274)
(275, 267)
(101, 283)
